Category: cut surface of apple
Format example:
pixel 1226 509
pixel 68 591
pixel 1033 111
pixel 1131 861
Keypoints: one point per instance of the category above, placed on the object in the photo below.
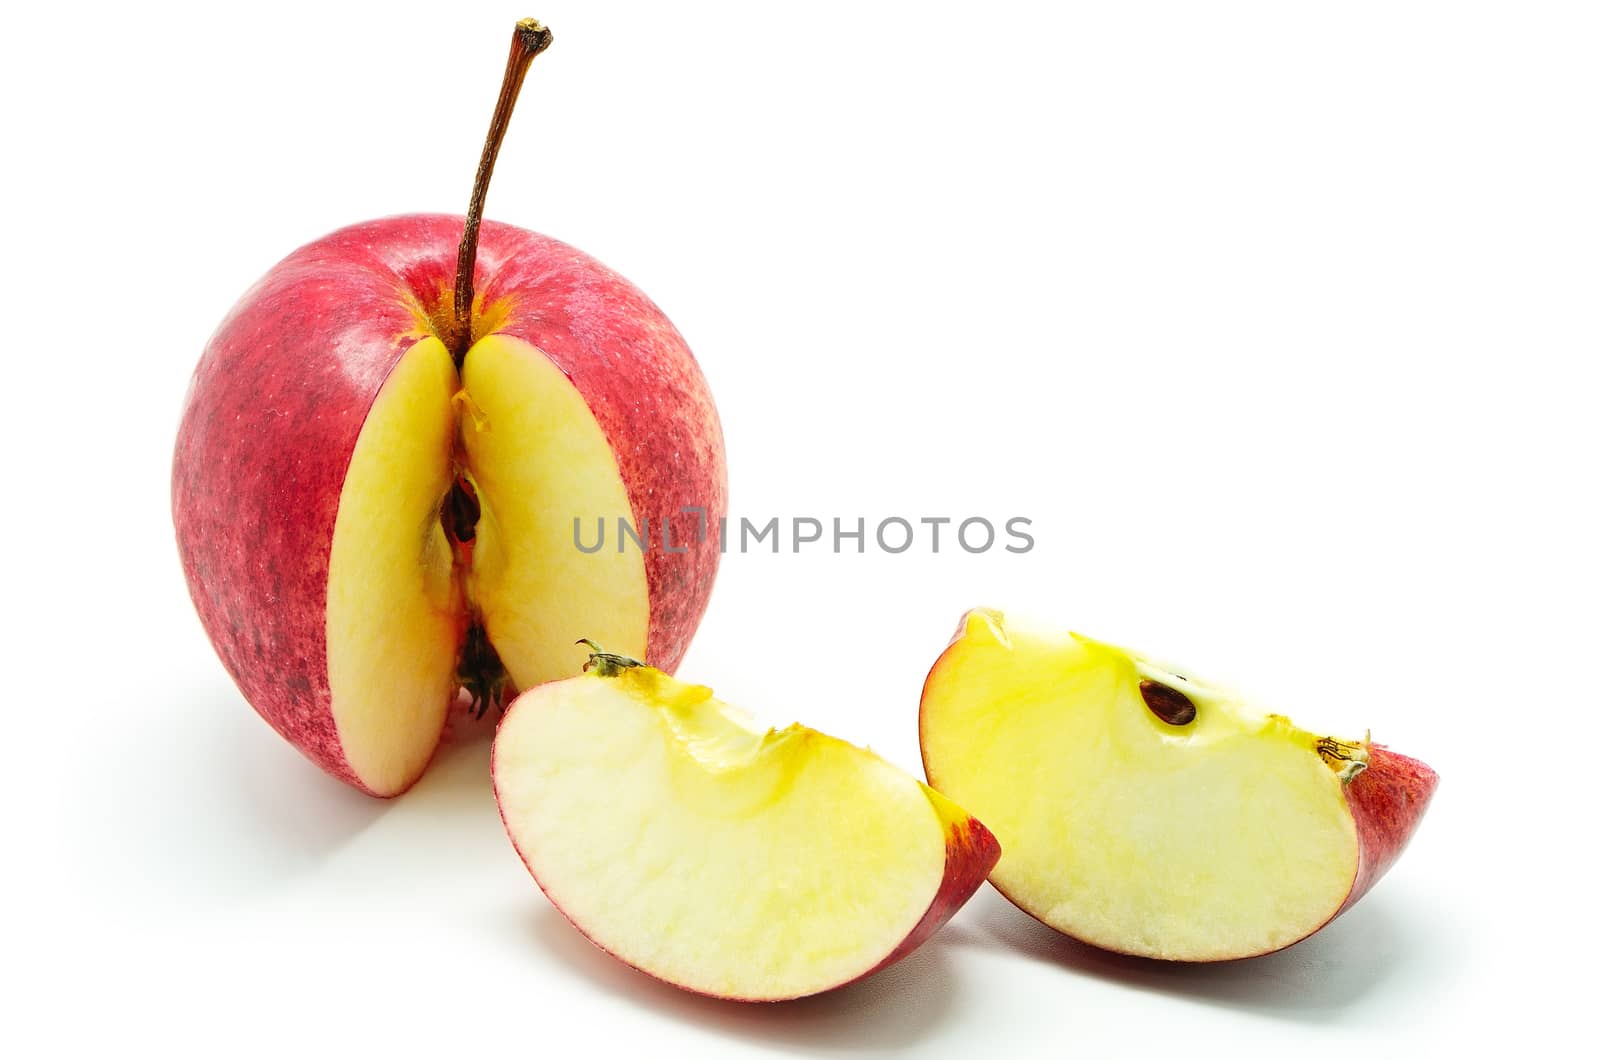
pixel 723 858
pixel 517 430
pixel 529 438
pixel 1146 812
pixel 390 557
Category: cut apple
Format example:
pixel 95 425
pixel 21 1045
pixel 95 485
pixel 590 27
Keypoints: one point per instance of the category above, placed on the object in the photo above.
pixel 383 455
pixel 723 858
pixel 1146 812
pixel 365 537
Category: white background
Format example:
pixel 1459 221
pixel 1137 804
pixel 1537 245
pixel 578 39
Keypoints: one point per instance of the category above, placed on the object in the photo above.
pixel 1278 320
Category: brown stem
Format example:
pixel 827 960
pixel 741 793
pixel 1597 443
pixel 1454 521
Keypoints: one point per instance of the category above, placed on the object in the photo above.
pixel 529 40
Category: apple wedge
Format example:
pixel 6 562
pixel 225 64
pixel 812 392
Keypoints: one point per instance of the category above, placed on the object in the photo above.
pixel 749 864
pixel 1146 812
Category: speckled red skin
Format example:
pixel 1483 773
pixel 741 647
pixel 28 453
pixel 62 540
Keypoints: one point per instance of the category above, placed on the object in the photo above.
pixel 284 386
pixel 1386 800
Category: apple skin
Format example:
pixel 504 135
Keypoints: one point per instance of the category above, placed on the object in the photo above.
pixel 286 382
pixel 1386 800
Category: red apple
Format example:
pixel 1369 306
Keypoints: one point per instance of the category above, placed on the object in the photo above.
pixel 374 491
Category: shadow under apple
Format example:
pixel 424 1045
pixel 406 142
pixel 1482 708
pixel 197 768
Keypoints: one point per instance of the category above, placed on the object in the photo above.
pixel 210 802
pixel 218 806
pixel 1317 980
pixel 896 1008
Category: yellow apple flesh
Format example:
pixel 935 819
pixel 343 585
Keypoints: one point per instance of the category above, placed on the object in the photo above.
pixel 527 438
pixel 723 858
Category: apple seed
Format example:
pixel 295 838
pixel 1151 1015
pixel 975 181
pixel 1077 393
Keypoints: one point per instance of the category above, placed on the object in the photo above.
pixel 461 512
pixel 1167 703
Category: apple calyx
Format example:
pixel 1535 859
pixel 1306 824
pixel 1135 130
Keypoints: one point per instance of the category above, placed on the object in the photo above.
pixel 481 673
pixel 604 663
pixel 1347 758
pixel 528 39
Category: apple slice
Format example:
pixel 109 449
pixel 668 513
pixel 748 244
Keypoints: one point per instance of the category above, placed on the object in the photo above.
pixel 742 863
pixel 1145 812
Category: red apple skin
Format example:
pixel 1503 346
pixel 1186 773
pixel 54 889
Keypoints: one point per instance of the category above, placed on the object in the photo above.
pixel 285 384
pixel 1387 800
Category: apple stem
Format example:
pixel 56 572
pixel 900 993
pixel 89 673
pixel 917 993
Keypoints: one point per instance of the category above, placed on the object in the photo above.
pixel 530 38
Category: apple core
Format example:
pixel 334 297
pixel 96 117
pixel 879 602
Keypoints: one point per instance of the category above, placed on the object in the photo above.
pixel 422 598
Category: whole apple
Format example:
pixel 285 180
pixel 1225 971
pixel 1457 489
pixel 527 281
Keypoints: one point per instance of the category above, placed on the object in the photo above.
pixel 382 456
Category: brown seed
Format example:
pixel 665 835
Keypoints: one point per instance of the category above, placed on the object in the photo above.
pixel 461 512
pixel 1167 703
